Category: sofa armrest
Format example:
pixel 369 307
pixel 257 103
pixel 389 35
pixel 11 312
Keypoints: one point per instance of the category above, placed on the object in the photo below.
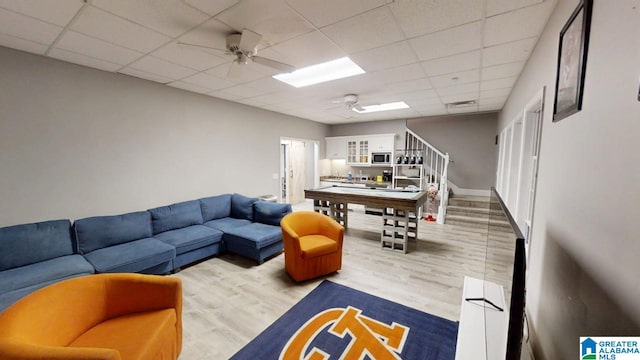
pixel 270 213
pixel 333 230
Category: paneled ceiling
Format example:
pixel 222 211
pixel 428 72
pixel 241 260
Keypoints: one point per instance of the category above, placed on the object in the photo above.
pixel 427 53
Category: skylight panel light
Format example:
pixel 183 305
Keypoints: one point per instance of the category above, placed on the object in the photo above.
pixel 382 107
pixel 315 74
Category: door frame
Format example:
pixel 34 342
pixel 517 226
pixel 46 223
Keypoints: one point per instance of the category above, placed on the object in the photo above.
pixel 310 168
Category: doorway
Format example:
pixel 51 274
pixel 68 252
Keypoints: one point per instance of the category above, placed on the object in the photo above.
pixel 298 169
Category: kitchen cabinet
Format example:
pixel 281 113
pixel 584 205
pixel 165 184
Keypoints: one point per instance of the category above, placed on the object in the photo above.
pixel 336 147
pixel 382 143
pixel 358 152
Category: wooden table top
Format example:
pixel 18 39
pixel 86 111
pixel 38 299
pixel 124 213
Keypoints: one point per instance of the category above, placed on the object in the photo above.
pixel 380 198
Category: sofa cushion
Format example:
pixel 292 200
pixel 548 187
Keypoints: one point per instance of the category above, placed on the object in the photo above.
pixel 242 207
pixel 44 271
pixel 143 335
pixel 134 256
pixel 176 216
pixel 31 243
pixel 255 235
pixel 270 213
pixel 226 224
pixel 103 231
pixel 215 207
pixel 190 238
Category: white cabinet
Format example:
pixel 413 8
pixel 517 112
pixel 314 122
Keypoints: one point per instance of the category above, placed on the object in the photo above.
pixel 336 147
pixel 382 143
pixel 358 152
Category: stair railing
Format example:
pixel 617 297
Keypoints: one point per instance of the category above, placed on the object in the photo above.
pixel 436 164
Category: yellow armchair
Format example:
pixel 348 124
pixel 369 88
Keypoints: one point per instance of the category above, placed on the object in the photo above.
pixel 105 316
pixel 312 244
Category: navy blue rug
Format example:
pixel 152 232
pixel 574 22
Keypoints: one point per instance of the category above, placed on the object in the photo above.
pixel 336 322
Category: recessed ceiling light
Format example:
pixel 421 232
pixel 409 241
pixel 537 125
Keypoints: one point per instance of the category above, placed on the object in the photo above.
pixel 315 74
pixel 382 107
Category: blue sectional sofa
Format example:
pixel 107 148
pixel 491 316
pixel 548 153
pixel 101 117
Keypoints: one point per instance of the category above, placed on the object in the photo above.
pixel 155 241
pixel 35 255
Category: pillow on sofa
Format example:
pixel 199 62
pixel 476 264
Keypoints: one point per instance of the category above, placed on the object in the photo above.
pixel 216 207
pixel 103 231
pixel 31 243
pixel 242 207
pixel 270 213
pixel 176 216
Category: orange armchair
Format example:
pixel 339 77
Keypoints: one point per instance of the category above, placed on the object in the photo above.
pixel 105 316
pixel 312 244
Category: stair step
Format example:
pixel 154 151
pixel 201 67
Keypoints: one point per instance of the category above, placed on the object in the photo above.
pixel 476 222
pixel 478 212
pixel 470 201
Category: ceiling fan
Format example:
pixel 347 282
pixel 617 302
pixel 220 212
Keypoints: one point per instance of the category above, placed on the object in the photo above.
pixel 350 101
pixel 243 47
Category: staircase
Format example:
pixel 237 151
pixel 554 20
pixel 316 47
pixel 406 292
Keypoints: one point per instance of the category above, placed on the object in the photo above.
pixel 474 212
pixel 436 165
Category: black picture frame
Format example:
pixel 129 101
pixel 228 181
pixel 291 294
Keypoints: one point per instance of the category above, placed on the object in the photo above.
pixel 572 62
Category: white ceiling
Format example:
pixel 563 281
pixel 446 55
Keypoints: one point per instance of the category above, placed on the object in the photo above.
pixel 425 52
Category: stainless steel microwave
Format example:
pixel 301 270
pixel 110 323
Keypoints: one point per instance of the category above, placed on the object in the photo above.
pixel 381 158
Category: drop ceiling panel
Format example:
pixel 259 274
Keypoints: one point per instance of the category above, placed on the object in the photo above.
pixel 189 87
pixel 221 94
pixel 189 57
pixel 400 73
pixel 501 71
pixel 273 19
pixel 509 52
pixel 385 57
pixel 22 44
pixel 305 50
pixel 501 6
pixel 144 75
pixel 162 67
pixel 172 18
pixel 452 41
pixel 459 97
pixel 243 91
pixel 367 31
pixel 211 7
pixel 27 28
pixel 316 11
pixel 458 89
pixel 485 94
pixel 84 60
pixel 523 23
pixel 208 81
pixel 58 12
pixel 451 64
pixel 82 44
pixel 245 74
pixel 498 83
pixel 458 78
pixel 419 17
pixel 409 85
pixel 102 25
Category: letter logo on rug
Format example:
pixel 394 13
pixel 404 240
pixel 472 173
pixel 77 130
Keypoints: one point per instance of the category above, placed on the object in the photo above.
pixel 369 337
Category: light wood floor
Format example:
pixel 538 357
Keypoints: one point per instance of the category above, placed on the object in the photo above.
pixel 228 300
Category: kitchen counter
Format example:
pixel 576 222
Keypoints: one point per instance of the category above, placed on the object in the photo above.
pixel 366 183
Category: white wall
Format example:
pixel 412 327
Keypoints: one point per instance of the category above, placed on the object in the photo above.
pixel 470 142
pixel 77 142
pixel 583 268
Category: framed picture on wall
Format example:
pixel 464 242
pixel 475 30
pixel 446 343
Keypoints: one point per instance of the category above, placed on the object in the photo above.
pixel 572 62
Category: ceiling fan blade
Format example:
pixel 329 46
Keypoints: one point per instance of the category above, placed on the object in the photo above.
pixel 273 64
pixel 357 107
pixel 249 40
pixel 208 49
pixel 235 70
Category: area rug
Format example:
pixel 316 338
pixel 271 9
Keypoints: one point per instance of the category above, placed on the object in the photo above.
pixel 337 322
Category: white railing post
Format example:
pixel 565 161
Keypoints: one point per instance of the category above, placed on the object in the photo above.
pixel 444 192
